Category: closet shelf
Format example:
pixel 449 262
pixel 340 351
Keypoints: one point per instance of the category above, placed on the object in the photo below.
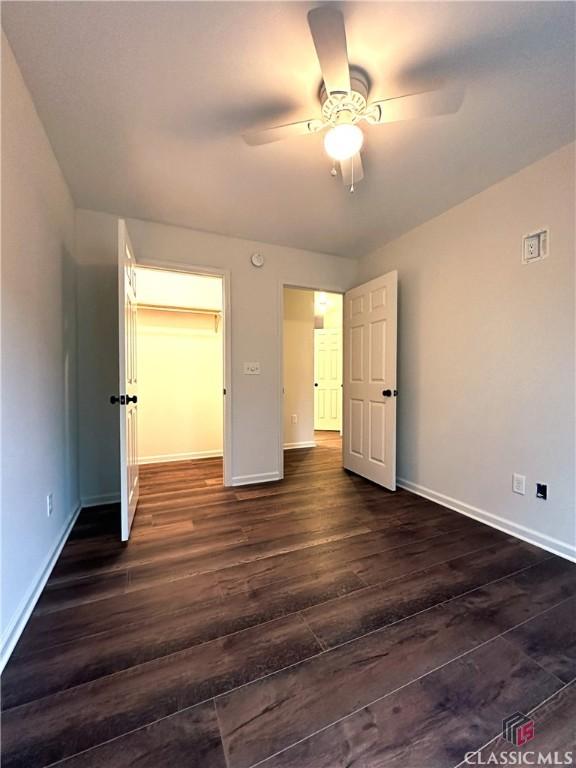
pixel 217 313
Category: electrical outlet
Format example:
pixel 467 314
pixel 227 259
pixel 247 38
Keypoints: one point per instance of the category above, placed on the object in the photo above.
pixel 294 418
pixel 519 483
pixel 531 248
pixel 541 491
pixel 535 246
pixel 49 505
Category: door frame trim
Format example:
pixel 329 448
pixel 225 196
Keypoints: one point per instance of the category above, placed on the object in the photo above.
pixel 280 334
pixel 224 274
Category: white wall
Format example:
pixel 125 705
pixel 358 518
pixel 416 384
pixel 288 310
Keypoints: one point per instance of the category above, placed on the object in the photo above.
pixel 255 325
pixel 161 287
pixel 486 353
pixel 180 368
pixel 97 285
pixel 298 367
pixel 39 435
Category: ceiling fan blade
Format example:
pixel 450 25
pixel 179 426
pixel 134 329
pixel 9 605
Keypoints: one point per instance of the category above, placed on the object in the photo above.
pixel 352 170
pixel 440 102
pixel 279 132
pixel 329 35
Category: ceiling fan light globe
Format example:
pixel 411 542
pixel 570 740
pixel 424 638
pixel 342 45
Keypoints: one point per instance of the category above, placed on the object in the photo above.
pixel 343 141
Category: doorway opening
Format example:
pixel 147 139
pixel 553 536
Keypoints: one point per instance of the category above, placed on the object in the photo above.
pixel 180 347
pixel 312 368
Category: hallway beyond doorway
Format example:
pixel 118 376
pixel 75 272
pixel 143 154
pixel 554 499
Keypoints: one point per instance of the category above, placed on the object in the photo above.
pixel 328 439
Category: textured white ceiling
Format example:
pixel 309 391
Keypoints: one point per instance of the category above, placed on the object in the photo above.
pixel 144 103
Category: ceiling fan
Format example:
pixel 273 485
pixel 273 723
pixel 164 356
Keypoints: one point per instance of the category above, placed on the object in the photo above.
pixel 344 101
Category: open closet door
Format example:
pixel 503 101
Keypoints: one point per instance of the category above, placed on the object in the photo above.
pixel 370 327
pixel 128 392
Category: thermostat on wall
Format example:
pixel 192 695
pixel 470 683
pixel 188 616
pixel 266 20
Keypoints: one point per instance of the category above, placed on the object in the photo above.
pixel 535 246
pixel 257 259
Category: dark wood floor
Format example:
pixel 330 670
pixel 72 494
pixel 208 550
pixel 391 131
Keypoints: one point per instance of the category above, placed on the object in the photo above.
pixel 319 622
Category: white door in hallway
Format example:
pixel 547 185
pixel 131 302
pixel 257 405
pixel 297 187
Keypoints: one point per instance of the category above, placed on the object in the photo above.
pixel 328 379
pixel 369 429
pixel 128 384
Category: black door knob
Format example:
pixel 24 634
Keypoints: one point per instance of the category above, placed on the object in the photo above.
pixel 387 393
pixel 131 399
pixel 115 399
pixel 315 384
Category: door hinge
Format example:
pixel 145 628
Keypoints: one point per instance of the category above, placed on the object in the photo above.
pixel 224 391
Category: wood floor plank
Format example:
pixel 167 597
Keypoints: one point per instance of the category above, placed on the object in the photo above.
pixel 91 558
pixel 340 620
pixel 73 663
pixel 80 718
pixel 108 561
pixel 386 559
pixel 190 739
pixel 208 554
pixel 432 722
pixel 279 711
pixel 59 595
pixel 380 567
pixel 147 574
pixel 550 639
pixel 107 614
pixel 523 596
pixel 331 555
pixel 293 703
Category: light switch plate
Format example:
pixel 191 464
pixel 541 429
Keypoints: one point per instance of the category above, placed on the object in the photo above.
pixel 519 484
pixel 252 369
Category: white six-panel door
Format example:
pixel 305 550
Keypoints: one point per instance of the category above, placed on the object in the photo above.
pixel 128 384
pixel 370 326
pixel 328 378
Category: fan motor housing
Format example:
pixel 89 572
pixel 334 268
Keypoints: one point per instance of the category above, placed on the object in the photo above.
pixel 347 107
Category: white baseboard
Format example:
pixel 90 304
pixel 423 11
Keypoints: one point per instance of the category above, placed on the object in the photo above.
pixel 161 458
pixel 264 477
pixel 97 501
pixel 22 614
pixel 303 444
pixel 550 544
